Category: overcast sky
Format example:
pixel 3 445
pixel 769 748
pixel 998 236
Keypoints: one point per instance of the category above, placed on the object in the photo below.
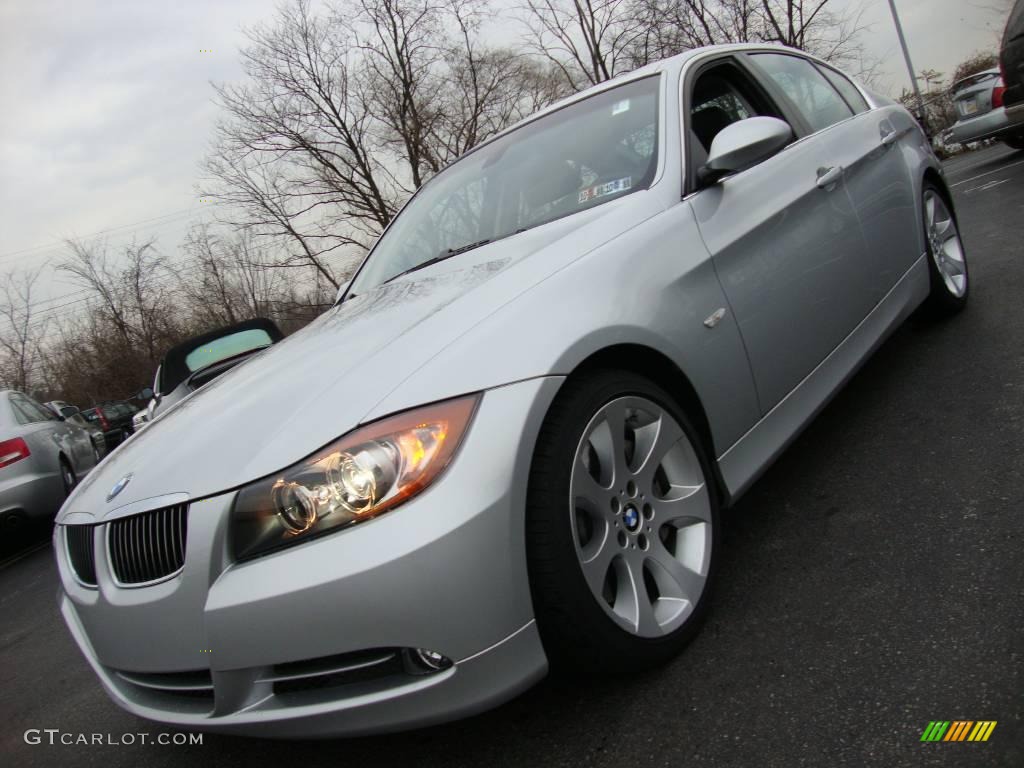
pixel 107 107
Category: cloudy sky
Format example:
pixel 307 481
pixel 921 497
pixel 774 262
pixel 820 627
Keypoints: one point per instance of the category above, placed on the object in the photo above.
pixel 108 109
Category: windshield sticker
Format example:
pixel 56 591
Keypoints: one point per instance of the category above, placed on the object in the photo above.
pixel 620 106
pixel 610 188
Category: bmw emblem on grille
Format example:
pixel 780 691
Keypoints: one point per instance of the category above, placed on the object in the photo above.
pixel 119 486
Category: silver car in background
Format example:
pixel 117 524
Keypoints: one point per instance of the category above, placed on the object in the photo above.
pixel 73 414
pixel 42 456
pixel 508 444
pixel 981 113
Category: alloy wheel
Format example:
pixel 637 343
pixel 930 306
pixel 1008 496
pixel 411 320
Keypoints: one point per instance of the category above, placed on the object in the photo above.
pixel 946 247
pixel 641 516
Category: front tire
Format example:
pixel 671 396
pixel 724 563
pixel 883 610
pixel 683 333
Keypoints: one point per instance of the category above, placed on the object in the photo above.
pixel 622 525
pixel 67 476
pixel 947 261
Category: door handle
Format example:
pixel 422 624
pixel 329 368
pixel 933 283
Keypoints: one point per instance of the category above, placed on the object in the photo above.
pixel 829 176
pixel 890 138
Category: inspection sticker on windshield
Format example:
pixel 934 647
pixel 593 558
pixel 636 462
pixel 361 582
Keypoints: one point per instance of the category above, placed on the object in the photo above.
pixel 620 106
pixel 609 188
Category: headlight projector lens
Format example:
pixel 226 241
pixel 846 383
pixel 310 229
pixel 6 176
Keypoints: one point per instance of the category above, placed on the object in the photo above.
pixel 295 506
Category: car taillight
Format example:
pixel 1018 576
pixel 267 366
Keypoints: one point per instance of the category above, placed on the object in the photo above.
pixel 104 424
pixel 13 450
pixel 997 96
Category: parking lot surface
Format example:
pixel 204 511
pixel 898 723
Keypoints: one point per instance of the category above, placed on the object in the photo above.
pixel 872 581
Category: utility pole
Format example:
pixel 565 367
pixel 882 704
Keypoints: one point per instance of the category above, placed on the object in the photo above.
pixel 910 65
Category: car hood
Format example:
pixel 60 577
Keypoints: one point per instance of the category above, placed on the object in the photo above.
pixel 286 402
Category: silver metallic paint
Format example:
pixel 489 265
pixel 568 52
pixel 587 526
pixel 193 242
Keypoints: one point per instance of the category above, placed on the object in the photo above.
pixel 447 570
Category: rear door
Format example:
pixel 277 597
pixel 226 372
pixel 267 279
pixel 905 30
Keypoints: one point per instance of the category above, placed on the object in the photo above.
pixel 879 181
pixel 785 237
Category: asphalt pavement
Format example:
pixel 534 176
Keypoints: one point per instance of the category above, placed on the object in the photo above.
pixel 871 582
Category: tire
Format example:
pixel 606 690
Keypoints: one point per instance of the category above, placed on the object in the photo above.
pixel 67 476
pixel 589 629
pixel 1014 142
pixel 947 259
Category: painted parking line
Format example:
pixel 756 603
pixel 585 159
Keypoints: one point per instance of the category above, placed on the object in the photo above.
pixel 988 173
pixel 23 554
pixel 985 187
pixel 953 170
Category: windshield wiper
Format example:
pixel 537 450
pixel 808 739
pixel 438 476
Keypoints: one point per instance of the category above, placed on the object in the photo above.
pixel 446 254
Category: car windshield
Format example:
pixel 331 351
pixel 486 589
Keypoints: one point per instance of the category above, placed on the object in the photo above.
pixel 227 346
pixel 575 158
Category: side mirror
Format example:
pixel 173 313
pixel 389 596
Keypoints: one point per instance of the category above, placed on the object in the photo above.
pixel 146 393
pixel 743 144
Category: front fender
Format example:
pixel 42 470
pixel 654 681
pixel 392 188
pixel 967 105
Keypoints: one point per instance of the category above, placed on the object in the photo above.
pixel 653 286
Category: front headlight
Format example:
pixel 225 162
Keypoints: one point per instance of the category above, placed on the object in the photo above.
pixel 369 471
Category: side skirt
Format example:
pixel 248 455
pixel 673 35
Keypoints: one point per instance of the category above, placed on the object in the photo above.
pixel 753 453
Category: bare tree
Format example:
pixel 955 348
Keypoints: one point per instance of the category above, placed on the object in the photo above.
pixel 590 42
pixel 23 331
pixel 131 292
pixel 587 41
pixel 227 278
pixel 345 113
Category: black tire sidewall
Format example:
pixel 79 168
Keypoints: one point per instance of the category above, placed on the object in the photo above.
pixel 940 300
pixel 576 631
pixel 67 474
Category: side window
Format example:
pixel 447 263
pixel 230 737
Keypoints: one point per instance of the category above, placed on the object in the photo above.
pixel 846 89
pixel 40 412
pixel 816 99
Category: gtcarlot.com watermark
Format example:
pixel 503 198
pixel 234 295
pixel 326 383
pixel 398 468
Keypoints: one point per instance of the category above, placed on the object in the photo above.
pixel 54 736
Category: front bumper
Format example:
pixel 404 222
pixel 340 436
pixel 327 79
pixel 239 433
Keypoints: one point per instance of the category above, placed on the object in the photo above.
pixel 992 124
pixel 444 572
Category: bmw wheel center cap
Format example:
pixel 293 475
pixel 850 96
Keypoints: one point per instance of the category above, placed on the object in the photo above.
pixel 631 518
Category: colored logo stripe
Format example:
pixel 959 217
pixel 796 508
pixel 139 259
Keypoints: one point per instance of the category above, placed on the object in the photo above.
pixel 982 730
pixel 935 730
pixel 958 730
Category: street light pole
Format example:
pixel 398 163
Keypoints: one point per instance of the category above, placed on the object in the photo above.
pixel 910 65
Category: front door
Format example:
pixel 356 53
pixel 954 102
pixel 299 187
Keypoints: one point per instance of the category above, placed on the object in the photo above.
pixel 785 237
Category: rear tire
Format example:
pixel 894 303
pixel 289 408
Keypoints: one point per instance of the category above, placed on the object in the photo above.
pixel 622 526
pixel 947 259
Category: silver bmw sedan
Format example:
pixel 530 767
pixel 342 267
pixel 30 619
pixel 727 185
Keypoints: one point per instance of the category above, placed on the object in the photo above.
pixel 508 444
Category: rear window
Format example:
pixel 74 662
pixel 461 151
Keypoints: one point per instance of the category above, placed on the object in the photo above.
pixel 91 415
pixel 969 82
pixel 227 346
